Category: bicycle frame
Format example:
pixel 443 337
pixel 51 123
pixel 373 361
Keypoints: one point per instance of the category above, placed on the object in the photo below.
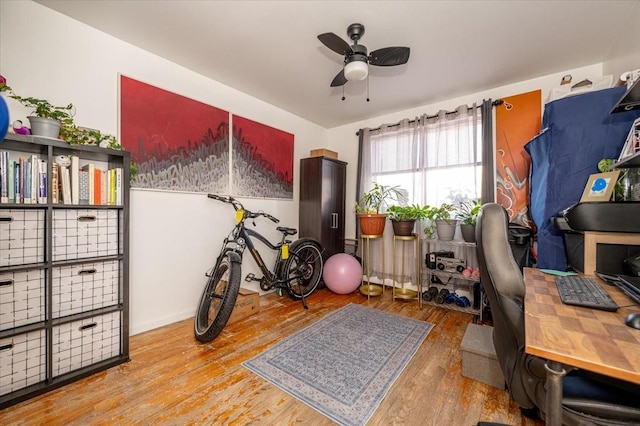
pixel 240 238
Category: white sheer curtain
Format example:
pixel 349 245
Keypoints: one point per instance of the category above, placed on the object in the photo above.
pixel 437 159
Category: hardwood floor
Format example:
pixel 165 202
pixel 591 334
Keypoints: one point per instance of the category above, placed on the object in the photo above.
pixel 173 380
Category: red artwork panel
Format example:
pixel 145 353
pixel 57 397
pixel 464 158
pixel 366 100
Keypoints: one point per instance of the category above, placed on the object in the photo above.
pixel 176 143
pixel 262 160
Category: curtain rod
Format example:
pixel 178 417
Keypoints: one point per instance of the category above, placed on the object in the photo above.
pixel 494 103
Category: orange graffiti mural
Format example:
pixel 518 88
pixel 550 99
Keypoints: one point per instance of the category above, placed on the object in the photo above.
pixel 517 121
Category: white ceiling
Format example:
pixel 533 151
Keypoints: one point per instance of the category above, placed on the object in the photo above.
pixel 270 49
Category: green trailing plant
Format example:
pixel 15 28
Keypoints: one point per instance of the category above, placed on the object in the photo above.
pixel 85 136
pixel 379 197
pixel 411 212
pixel 467 212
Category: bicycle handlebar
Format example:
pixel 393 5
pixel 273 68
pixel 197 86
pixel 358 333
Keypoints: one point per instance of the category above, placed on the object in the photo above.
pixel 237 205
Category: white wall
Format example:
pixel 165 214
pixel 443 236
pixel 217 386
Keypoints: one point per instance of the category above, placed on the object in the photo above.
pixel 174 236
pixel 344 140
pixel 625 56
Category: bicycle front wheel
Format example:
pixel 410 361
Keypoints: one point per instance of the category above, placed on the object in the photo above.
pixel 303 268
pixel 217 300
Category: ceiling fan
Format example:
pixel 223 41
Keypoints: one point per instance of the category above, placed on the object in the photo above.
pixel 356 61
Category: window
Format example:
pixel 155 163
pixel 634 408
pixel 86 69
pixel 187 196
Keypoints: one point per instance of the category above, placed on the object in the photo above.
pixel 436 159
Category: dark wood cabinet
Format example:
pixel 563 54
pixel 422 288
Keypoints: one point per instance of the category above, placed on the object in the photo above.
pixel 322 202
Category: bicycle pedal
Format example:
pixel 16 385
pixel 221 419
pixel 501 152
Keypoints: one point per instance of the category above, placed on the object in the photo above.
pixel 251 277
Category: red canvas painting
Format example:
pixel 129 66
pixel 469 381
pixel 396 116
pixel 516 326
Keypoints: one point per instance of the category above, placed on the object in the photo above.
pixel 176 143
pixel 262 160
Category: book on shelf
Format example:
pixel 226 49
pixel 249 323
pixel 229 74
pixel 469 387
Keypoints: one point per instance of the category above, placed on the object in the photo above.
pixel 118 186
pixel 97 190
pixel 4 177
pixel 11 182
pixel 74 170
pixel 26 180
pixel 26 185
pixel 83 185
pixel 104 187
pixel 89 169
pixel 35 172
pixel 112 187
pixel 16 180
pixel 54 183
pixel 21 179
pixel 42 182
pixel 65 185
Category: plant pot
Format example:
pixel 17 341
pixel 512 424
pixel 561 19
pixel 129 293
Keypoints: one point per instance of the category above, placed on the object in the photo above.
pixel 446 229
pixel 468 233
pixel 403 228
pixel 46 127
pixel 372 224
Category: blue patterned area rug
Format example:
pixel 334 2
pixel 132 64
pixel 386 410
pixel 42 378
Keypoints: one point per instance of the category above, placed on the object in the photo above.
pixel 344 364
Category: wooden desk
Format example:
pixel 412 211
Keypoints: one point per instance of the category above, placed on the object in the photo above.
pixel 592 239
pixel 580 337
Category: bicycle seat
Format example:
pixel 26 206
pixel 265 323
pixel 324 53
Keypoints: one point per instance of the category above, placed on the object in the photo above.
pixel 287 231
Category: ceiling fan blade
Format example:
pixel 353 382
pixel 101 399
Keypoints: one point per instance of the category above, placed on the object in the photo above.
pixel 335 43
pixel 339 79
pixel 389 56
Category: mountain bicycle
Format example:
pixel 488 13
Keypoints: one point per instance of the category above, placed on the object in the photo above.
pixel 297 270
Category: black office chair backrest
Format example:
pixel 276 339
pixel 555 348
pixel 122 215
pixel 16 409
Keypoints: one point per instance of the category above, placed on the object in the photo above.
pixel 503 283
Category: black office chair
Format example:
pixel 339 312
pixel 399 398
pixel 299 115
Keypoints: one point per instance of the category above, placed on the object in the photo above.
pixel 588 398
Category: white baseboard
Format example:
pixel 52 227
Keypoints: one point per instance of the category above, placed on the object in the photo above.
pixel 159 322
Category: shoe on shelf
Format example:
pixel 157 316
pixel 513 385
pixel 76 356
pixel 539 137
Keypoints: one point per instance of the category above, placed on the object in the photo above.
pixel 451 298
pixel 463 302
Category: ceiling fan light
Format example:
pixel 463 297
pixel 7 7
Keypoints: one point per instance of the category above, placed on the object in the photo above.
pixel 356 70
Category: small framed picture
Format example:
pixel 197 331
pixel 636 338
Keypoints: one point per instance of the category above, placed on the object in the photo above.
pixel 600 186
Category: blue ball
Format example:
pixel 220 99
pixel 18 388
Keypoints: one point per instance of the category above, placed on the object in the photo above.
pixel 4 118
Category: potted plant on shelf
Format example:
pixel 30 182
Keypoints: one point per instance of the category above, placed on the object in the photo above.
pixel 368 210
pixel 403 218
pixel 467 213
pixel 47 119
pixel 442 222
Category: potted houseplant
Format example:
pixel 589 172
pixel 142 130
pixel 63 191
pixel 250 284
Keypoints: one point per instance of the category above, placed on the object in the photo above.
pixel 442 222
pixel 467 213
pixel 403 218
pixel 369 209
pixel 46 119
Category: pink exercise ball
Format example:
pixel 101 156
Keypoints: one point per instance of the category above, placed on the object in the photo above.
pixel 342 273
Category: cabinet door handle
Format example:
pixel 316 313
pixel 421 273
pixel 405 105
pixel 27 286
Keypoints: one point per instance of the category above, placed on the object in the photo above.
pixel 334 220
pixel 88 326
pixel 6 347
pixel 6 219
pixel 86 218
pixel 87 271
pixel 6 283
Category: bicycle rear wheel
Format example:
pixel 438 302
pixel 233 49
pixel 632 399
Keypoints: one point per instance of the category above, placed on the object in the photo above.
pixel 303 268
pixel 217 300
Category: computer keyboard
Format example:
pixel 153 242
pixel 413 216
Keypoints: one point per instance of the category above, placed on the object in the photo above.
pixel 584 291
